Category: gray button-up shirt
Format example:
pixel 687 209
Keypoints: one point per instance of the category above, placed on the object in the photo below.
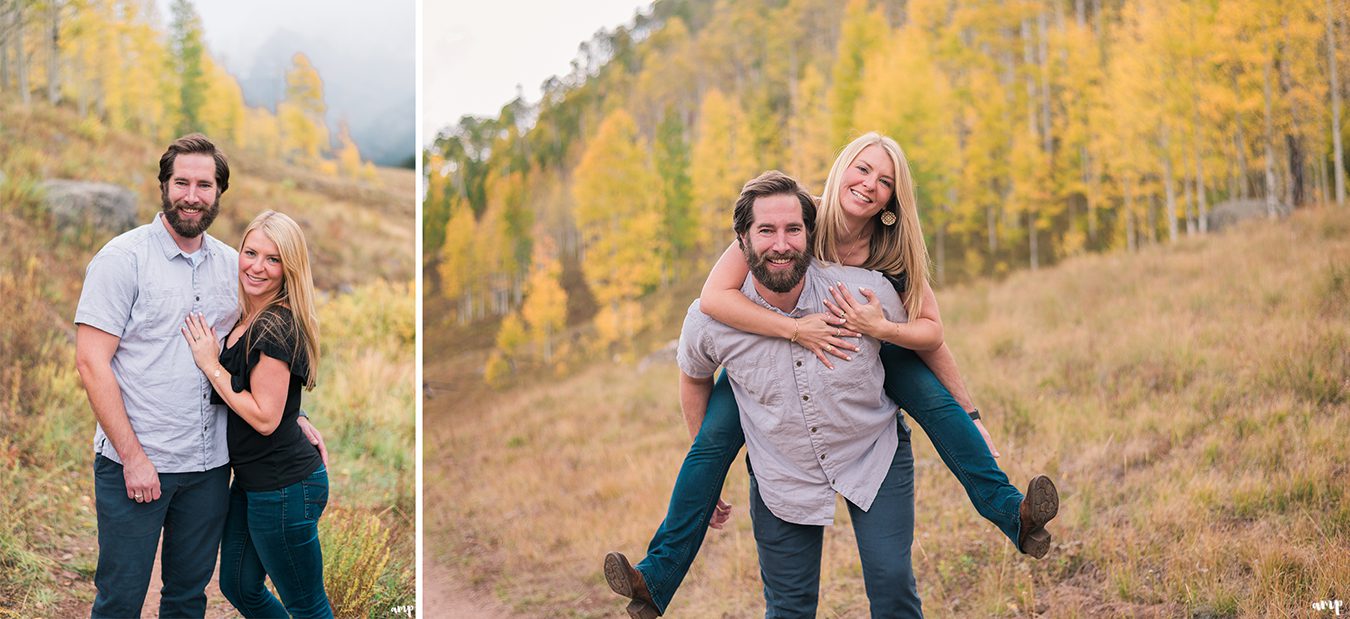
pixel 810 431
pixel 140 287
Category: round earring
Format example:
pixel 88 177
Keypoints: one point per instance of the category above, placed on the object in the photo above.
pixel 888 218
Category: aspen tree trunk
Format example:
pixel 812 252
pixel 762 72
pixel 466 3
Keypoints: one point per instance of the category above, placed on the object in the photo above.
pixel 1188 198
pixel 1270 145
pixel 54 53
pixel 1168 181
pixel 1240 141
pixel 1296 188
pixel 1201 198
pixel 1028 60
pixel 20 61
pixel 1131 235
pixel 4 43
pixel 1338 153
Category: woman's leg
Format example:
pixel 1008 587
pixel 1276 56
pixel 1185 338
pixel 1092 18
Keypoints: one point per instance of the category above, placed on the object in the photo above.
pixel 917 390
pixel 284 525
pixel 241 572
pixel 696 492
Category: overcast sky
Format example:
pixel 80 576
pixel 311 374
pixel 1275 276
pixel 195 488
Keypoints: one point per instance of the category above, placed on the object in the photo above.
pixel 477 51
pixel 236 28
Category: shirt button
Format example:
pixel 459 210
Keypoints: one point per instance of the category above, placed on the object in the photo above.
pixel 199 297
pixel 822 456
pixel 806 398
pixel 813 430
pixel 799 364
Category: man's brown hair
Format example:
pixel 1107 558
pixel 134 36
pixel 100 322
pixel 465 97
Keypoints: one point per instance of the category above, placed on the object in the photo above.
pixel 771 183
pixel 195 144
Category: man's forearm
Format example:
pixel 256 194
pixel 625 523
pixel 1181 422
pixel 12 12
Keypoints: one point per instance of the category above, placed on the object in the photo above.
pixel 943 365
pixel 694 394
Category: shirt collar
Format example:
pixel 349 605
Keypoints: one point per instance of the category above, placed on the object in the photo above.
pixel 171 249
pixel 804 305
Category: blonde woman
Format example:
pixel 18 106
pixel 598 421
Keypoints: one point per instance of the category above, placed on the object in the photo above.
pixel 867 218
pixel 280 484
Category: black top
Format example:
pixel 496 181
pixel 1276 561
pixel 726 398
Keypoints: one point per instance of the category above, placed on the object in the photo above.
pixel 899 282
pixel 286 457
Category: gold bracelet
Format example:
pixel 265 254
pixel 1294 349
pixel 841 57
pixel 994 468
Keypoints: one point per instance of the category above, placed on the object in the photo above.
pixel 796 330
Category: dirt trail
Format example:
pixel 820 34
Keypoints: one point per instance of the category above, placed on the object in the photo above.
pixel 216 606
pixel 443 595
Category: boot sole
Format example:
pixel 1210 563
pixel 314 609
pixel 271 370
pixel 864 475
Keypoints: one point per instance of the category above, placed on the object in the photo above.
pixel 637 609
pixel 616 574
pixel 1043 500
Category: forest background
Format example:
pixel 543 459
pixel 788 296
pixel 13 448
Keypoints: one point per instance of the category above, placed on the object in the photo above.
pixel 1073 159
pixel 92 90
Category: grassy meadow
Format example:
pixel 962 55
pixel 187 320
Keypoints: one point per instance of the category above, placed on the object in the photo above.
pixel 1191 403
pixel 361 239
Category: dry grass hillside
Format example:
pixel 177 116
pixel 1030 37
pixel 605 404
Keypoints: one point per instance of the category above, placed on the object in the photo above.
pixel 1191 403
pixel 361 235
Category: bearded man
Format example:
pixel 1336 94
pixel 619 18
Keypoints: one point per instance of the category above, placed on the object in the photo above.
pixel 161 463
pixel 811 432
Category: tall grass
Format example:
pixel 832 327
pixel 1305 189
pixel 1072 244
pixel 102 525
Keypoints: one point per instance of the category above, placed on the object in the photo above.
pixel 1191 403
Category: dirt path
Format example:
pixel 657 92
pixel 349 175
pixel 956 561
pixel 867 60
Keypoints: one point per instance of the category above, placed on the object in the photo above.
pixel 444 595
pixel 216 606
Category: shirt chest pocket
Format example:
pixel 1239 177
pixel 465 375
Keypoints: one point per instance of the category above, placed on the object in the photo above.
pixel 160 310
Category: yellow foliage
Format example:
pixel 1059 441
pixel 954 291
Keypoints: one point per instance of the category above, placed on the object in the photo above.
pixel 720 163
pixel 617 209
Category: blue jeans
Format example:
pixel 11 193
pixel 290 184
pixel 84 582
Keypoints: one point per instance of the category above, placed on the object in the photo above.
pixel 789 554
pixel 909 382
pixel 276 533
pixel 190 512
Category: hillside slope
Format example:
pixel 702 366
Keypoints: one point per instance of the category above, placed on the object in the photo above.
pixel 1191 403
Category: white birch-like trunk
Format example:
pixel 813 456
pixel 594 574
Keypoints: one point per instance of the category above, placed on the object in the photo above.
pixel 1338 152
pixel 1270 144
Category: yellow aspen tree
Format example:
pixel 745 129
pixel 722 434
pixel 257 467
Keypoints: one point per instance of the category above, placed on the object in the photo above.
pixel 545 307
pixel 301 113
pixel 720 163
pixel 861 34
pixel 811 150
pixel 349 156
pixel 223 110
pixel 618 214
pixel 457 268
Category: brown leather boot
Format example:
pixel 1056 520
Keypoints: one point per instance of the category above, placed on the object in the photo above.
pixel 625 580
pixel 1039 506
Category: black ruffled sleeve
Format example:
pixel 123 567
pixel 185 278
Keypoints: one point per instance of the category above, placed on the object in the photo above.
pixel 275 334
pixel 899 282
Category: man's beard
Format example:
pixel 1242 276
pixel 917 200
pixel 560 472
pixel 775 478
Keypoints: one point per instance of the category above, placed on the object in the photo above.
pixel 185 228
pixel 776 280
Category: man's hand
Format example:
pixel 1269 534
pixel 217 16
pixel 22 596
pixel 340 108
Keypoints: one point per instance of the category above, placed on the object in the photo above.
pixel 142 480
pixel 721 514
pixel 314 437
pixel 987 441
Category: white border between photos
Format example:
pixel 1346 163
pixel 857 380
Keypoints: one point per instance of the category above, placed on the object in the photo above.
pixel 418 194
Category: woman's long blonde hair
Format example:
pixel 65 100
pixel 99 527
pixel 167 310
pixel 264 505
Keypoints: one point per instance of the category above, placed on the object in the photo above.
pixel 296 291
pixel 894 250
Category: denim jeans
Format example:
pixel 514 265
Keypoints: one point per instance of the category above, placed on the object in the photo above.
pixel 958 442
pixel 909 382
pixel 275 533
pixel 190 512
pixel 789 554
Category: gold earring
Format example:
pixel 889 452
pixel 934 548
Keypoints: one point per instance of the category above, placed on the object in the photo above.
pixel 888 218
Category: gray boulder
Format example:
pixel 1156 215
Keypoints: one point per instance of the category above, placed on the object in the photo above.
pixel 102 206
pixel 1226 214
